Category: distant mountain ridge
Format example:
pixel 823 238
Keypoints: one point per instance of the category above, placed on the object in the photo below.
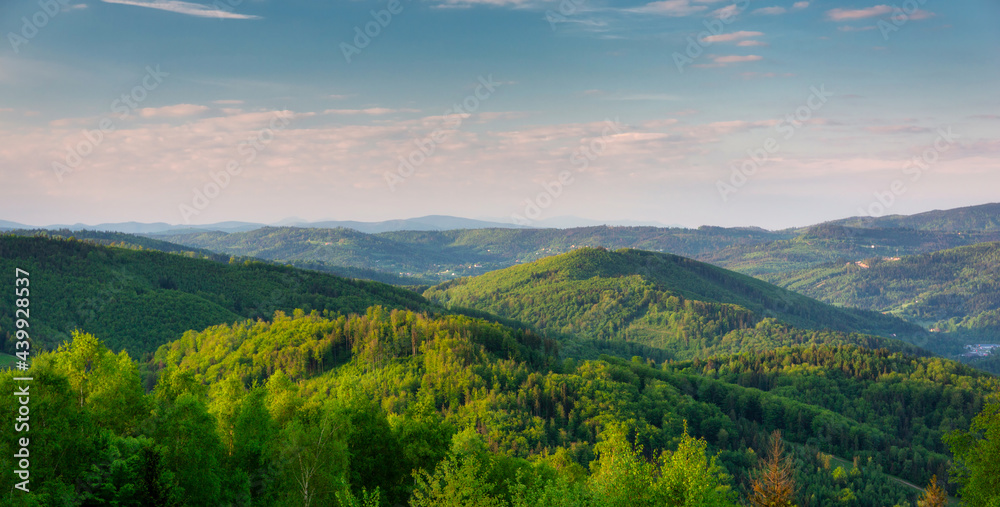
pixel 442 255
pixel 981 218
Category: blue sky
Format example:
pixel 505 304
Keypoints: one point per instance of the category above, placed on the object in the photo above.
pixel 584 110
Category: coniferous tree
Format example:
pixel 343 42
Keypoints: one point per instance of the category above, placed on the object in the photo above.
pixel 774 485
pixel 934 495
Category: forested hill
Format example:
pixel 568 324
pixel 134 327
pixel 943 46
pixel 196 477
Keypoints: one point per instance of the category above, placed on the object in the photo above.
pixel 393 407
pixel 445 255
pixel 662 300
pixel 982 218
pixel 956 291
pixel 442 255
pixel 140 299
pixel 827 243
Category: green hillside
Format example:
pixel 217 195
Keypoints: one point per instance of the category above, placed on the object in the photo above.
pixel 829 243
pixel 392 407
pixel 985 217
pixel 678 304
pixel 444 255
pixel 956 291
pixel 139 299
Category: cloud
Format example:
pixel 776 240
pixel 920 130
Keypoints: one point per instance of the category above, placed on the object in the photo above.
pixel 736 59
pixel 646 96
pixel 917 15
pixel 749 43
pixel 800 5
pixel 176 111
pixel 674 8
pixel 856 28
pixel 179 7
pixel 897 129
pixel 228 102
pixel 494 3
pixel 726 12
pixel 729 37
pixel 852 14
pixel 771 11
pixel 372 111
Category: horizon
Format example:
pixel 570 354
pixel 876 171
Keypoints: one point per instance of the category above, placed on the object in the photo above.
pixel 687 112
pixel 301 223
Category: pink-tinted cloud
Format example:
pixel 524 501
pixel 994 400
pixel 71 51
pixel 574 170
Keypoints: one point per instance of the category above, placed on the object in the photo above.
pixel 673 8
pixel 371 111
pixel 737 59
pixel 853 14
pixel 175 111
pixel 729 37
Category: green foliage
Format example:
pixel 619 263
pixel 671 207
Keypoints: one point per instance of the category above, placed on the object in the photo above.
pixel 442 255
pixel 391 407
pixel 137 300
pixel 682 306
pixel 977 457
pixel 956 292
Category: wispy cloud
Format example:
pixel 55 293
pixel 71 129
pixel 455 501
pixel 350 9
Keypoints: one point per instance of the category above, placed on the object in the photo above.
pixel 729 37
pixel 897 129
pixel 736 59
pixel 920 14
pixel 856 28
pixel 371 111
pixel 175 111
pixel 674 8
pixel 852 14
pixel 179 7
pixel 772 11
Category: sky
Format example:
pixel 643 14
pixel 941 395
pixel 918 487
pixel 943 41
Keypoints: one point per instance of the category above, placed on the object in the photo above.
pixel 770 113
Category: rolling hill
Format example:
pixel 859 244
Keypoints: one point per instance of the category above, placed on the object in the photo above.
pixel 139 299
pixel 981 218
pixel 443 255
pixel 954 291
pixel 681 305
pixel 396 406
pixel 836 243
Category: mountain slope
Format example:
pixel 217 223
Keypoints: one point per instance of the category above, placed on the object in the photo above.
pixel 982 218
pixel 836 243
pixel 662 300
pixel 956 291
pixel 442 255
pixel 140 299
pixel 253 403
